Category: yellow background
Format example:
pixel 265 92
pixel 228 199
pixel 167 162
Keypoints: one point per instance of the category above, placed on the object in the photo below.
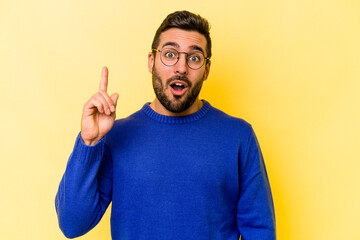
pixel 290 68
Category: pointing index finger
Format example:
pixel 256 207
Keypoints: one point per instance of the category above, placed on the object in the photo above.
pixel 104 79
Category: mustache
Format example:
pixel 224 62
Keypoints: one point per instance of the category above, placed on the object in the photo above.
pixel 181 78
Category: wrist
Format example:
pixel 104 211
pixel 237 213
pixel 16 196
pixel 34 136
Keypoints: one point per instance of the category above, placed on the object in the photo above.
pixel 89 142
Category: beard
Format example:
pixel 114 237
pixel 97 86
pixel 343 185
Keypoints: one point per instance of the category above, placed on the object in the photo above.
pixel 179 103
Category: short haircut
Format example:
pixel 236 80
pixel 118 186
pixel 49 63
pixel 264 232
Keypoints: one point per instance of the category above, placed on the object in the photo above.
pixel 188 21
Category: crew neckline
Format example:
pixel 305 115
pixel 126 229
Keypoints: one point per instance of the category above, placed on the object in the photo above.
pixel 176 120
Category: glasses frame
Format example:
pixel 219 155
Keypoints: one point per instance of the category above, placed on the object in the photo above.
pixel 187 62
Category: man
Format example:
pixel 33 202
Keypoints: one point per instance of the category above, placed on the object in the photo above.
pixel 176 169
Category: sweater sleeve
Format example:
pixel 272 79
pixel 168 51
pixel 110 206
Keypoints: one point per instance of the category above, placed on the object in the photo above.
pixel 85 190
pixel 255 208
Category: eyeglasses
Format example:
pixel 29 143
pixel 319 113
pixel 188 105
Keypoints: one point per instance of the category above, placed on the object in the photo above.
pixel 170 56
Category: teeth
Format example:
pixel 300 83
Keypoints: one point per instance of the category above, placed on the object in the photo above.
pixel 179 84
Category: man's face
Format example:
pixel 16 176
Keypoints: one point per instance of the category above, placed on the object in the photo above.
pixel 177 87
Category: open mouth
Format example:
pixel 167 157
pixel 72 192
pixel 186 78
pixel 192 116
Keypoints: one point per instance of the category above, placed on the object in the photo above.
pixel 178 88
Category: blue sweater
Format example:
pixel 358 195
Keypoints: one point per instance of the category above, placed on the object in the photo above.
pixel 200 176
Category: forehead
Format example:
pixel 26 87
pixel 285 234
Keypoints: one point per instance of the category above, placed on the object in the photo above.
pixel 182 40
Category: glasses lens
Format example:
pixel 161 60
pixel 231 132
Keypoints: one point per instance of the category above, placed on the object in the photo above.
pixel 169 56
pixel 195 60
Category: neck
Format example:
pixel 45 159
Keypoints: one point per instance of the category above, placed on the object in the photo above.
pixel 160 109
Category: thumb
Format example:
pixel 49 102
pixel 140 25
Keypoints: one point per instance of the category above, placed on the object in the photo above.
pixel 114 97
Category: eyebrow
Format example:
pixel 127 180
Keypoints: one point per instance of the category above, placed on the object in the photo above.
pixel 195 47
pixel 174 44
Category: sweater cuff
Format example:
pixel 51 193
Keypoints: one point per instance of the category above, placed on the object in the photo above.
pixel 88 154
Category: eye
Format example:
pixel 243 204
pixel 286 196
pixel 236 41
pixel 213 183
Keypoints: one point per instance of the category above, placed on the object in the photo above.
pixel 194 57
pixel 169 54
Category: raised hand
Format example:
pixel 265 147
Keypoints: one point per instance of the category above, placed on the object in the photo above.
pixel 98 113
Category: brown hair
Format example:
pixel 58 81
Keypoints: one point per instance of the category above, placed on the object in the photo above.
pixel 186 21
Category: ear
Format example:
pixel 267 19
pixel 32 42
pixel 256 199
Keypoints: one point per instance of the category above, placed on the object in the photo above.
pixel 207 69
pixel 150 62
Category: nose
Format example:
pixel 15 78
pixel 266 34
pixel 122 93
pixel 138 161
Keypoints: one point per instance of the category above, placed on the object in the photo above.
pixel 181 66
